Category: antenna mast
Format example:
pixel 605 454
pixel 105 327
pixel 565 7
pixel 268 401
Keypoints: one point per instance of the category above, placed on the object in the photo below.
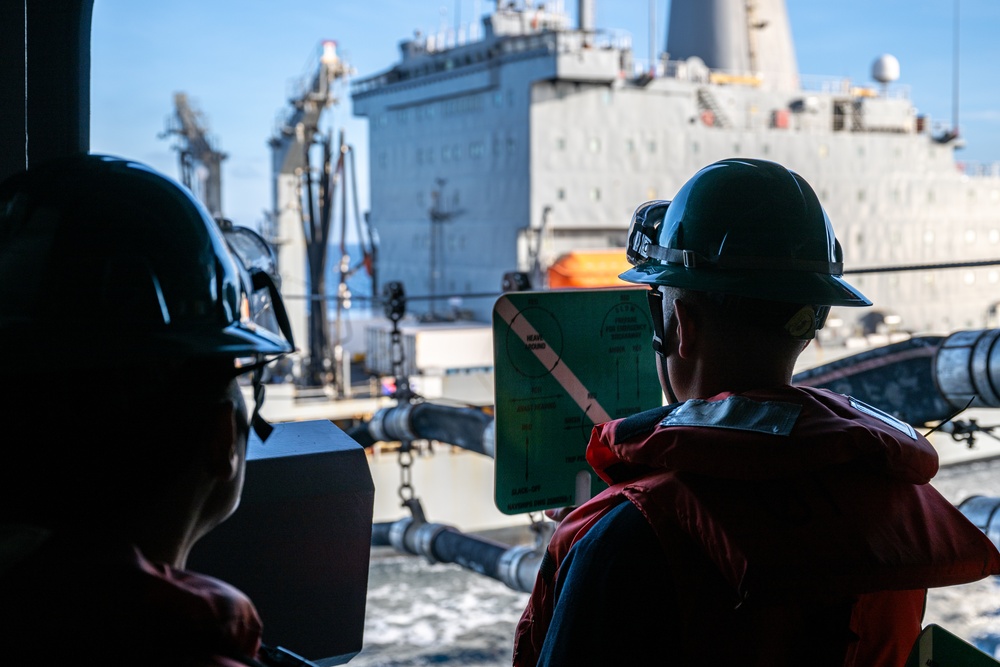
pixel 954 94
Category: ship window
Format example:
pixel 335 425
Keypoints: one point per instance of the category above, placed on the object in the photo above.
pixel 861 151
pixel 594 144
pixel 969 278
pixel 970 236
pixel 861 195
pixel 511 145
pixel 560 143
pixel 476 149
pixel 629 145
pixel 456 152
pixel 498 99
pixel 595 194
pixel 651 146
pixel 930 196
pixel 993 277
pixel 510 98
pixel 766 149
pixel 445 153
pixel 382 160
pixel 736 149
pixel 994 235
pixel 929 237
pixel 694 146
pixel 560 194
pixel 823 150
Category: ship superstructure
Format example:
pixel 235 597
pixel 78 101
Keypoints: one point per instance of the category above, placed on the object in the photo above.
pixel 536 138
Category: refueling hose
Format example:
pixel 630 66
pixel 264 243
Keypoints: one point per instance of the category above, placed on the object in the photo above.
pixel 515 566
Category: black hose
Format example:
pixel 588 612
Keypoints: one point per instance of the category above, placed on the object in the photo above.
pixel 380 534
pixel 471 552
pixel 515 566
pixel 361 435
pixel 462 427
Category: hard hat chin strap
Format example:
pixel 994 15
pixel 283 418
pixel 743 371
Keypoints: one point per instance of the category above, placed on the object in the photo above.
pixel 260 425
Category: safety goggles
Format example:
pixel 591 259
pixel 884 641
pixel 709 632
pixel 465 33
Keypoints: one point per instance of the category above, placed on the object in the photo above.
pixel 644 230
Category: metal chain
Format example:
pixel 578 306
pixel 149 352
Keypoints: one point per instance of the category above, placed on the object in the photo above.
pixel 405 472
pixel 395 308
pixel 397 354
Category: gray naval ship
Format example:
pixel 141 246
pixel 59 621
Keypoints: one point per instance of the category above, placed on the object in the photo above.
pixel 511 146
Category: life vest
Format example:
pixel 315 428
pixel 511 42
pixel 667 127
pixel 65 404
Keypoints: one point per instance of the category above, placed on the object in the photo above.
pixel 800 499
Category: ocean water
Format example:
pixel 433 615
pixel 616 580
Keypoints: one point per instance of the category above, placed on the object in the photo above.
pixel 420 614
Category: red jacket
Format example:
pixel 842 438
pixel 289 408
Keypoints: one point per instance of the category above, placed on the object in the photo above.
pixel 801 499
pixel 87 597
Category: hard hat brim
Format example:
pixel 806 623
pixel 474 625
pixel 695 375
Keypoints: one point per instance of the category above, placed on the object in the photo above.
pixel 817 289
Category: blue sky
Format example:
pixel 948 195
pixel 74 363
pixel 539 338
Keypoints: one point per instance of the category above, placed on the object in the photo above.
pixel 236 61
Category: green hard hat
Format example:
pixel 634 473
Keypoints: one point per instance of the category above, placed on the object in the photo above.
pixel 746 227
pixel 104 260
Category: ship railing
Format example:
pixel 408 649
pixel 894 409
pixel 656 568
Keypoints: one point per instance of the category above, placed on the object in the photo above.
pixel 564 41
pixel 685 70
pixel 839 85
pixel 979 169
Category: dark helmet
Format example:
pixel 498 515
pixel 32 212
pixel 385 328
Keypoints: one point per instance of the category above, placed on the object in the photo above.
pixel 745 227
pixel 106 261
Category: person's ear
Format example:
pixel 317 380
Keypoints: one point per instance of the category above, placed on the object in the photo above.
pixel 223 446
pixel 684 326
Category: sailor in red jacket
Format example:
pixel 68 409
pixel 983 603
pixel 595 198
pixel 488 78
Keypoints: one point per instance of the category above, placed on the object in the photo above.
pixel 748 521
pixel 128 322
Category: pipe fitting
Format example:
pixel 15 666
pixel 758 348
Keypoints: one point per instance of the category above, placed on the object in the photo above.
pixel 398 534
pixel 518 567
pixel 490 439
pixel 391 424
pixel 424 537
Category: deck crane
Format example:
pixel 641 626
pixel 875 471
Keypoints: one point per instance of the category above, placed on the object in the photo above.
pixel 304 190
pixel 200 160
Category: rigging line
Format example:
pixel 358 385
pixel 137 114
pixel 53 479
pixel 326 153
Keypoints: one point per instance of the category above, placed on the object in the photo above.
pixel 332 297
pixel 925 267
pixel 950 417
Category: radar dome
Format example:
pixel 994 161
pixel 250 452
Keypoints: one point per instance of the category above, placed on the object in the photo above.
pixel 885 69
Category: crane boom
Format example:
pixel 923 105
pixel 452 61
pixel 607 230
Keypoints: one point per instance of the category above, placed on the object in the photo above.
pixel 200 161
